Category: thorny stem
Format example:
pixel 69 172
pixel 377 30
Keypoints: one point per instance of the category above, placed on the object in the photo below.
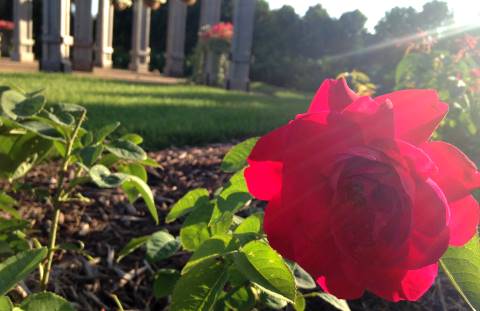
pixel 57 202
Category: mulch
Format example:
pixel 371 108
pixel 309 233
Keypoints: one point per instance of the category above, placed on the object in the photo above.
pixel 109 222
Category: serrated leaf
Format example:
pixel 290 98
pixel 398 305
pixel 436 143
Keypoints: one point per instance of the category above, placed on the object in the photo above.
pixel 191 200
pixel 198 289
pixel 274 302
pixel 131 246
pixel 90 154
pixel 134 169
pixel 164 283
pixel 242 299
pixel 16 105
pixel 145 193
pixel 236 158
pixel 462 266
pixel 106 130
pixel 195 228
pixel 127 150
pixel 234 195
pixel 14 269
pixel 161 245
pixel 42 129
pixel 249 229
pixel 103 178
pixel 7 204
pixel 265 267
pixel 302 278
pixel 46 301
pixel 58 114
pixel 214 247
pixel 335 302
pixel 134 138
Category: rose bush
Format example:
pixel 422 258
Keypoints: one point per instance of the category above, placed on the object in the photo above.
pixel 360 197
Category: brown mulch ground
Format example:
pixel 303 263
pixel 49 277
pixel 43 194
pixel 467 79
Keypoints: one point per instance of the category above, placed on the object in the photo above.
pixel 107 224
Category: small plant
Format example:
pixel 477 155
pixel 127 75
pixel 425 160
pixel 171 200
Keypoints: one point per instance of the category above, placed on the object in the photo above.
pixel 232 266
pixel 31 132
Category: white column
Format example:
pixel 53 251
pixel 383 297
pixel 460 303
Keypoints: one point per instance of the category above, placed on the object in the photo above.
pixel 177 22
pixel 83 32
pixel 210 13
pixel 140 53
pixel 104 39
pixel 23 32
pixel 243 22
pixel 56 39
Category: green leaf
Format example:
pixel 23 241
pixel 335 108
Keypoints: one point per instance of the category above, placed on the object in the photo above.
pixel 16 105
pixel 462 266
pixel 42 129
pixel 127 150
pixel 191 200
pixel 198 289
pixel 131 246
pixel 164 283
pixel 134 138
pixel 234 195
pixel 214 247
pixel 250 228
pixel 5 304
pixel 103 178
pixel 242 299
pixel 59 116
pixel 90 154
pixel 144 191
pixel 300 302
pixel 222 224
pixel 236 158
pixel 302 278
pixel 7 204
pixel 195 228
pixel 103 132
pixel 14 269
pixel 265 267
pixel 272 301
pixel 46 301
pixel 134 169
pixel 161 245
pixel 335 302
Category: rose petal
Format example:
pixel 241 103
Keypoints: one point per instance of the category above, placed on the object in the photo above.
pixel 339 285
pixel 333 95
pixel 276 221
pixel 430 233
pixel 465 215
pixel 417 113
pixel 457 174
pixel 396 285
pixel 374 118
pixel 264 174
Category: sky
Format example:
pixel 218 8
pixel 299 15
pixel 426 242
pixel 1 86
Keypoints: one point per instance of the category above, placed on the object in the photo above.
pixel 465 11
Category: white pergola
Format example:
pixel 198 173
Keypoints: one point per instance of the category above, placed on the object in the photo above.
pixel 90 50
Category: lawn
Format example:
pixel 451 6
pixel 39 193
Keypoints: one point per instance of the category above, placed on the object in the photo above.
pixel 169 115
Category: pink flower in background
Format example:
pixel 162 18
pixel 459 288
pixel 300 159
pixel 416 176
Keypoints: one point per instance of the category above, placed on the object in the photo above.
pixel 6 25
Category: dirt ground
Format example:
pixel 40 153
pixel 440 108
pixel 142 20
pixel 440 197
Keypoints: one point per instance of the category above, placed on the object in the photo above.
pixel 109 222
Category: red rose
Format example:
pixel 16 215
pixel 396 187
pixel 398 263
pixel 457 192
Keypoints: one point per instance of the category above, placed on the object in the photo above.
pixel 358 194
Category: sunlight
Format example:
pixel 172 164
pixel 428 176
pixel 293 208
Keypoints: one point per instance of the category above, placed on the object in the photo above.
pixel 439 32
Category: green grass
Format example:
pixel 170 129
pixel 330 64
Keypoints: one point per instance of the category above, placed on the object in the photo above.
pixel 167 115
